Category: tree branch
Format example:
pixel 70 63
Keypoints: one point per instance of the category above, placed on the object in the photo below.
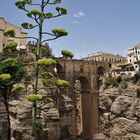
pixel 25 10
pixel 26 37
pixel 45 3
pixel 32 27
pixel 36 19
pixel 50 39
pixel 54 16
pixel 48 33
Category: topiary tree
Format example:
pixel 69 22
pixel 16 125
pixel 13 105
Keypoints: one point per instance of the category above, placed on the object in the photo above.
pixel 39 16
pixel 67 54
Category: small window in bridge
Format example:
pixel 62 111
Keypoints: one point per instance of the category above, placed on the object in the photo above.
pixel 81 69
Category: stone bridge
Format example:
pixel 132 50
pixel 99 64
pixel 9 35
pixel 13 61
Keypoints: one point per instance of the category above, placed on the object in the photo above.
pixel 85 116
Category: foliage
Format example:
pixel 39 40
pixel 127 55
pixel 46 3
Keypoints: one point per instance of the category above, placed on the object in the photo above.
pixel 45 50
pixel 46 62
pixel 48 82
pixel 67 53
pixel 47 100
pixel 26 58
pixel 62 84
pixel 61 10
pixel 34 97
pixel 14 68
pixel 59 32
pixel 47 75
pixel 34 13
pixel 10 47
pixel 9 62
pixel 113 81
pixel 4 80
pixel 17 90
pixel 10 33
pixel 27 25
pixel 122 86
pixel 39 15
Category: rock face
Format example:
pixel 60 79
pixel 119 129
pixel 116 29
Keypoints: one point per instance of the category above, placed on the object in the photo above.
pixel 3 120
pixel 53 119
pixel 120 114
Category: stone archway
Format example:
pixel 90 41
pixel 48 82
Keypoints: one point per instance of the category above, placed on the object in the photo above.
pixel 85 107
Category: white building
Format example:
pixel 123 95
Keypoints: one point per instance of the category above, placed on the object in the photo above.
pixel 4 25
pixel 133 54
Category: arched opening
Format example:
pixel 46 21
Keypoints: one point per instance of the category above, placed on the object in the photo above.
pixel 100 75
pixel 60 71
pixel 100 71
pixel 83 108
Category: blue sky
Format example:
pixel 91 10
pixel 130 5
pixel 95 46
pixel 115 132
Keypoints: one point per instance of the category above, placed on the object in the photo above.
pixel 93 25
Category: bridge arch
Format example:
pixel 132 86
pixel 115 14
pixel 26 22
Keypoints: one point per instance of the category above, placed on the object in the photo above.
pixel 87 73
pixel 100 70
pixel 84 83
pixel 84 107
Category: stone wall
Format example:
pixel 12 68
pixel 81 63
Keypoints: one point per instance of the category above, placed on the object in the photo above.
pixel 120 114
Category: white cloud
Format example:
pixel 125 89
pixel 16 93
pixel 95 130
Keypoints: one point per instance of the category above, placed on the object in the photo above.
pixel 76 22
pixel 79 14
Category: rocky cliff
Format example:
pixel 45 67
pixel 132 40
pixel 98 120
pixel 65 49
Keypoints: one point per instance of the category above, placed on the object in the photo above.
pixel 120 114
pixel 54 119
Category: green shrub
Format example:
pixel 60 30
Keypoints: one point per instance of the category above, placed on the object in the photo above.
pixel 17 90
pixel 67 53
pixel 46 62
pixel 62 84
pixel 59 32
pixel 122 86
pixel 47 75
pixel 4 80
pixel 48 82
pixel 113 81
pixel 10 47
pixel 34 97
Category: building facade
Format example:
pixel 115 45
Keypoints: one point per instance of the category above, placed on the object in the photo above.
pixel 4 25
pixel 106 57
pixel 133 54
